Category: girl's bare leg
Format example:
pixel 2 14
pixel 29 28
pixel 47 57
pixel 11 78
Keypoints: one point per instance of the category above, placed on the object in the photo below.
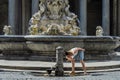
pixel 73 65
pixel 83 66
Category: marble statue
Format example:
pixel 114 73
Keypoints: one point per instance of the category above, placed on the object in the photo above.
pixel 99 31
pixel 7 30
pixel 54 18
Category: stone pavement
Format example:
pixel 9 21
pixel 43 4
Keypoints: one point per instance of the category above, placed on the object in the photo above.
pixel 28 76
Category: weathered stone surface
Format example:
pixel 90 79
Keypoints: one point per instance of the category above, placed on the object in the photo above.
pixel 54 18
pixel 46 45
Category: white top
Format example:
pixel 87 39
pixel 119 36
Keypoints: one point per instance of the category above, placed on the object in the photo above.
pixel 73 51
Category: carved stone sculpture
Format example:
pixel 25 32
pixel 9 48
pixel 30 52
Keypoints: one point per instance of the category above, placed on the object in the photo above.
pixel 54 30
pixel 7 30
pixel 54 18
pixel 99 31
pixel 33 29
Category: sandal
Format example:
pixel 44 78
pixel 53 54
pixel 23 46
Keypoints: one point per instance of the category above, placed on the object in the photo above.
pixel 72 73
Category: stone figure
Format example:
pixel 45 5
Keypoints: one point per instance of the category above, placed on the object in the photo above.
pixel 54 8
pixel 35 19
pixel 67 11
pixel 42 7
pixel 37 16
pixel 33 30
pixel 75 31
pixel 99 31
pixel 53 30
pixel 42 29
pixel 54 18
pixel 7 30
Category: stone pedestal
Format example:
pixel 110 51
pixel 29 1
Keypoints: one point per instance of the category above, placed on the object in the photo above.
pixel 59 62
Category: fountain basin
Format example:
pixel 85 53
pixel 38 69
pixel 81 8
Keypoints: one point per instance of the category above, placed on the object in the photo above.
pixel 46 45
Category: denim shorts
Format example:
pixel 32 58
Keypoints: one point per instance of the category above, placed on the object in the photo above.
pixel 79 55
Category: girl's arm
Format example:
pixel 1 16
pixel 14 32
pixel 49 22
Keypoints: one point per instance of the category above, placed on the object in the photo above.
pixel 69 58
pixel 80 49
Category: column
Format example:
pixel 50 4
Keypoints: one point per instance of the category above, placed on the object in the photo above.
pixel 114 16
pixel 83 16
pixel 35 6
pixel 106 17
pixel 26 14
pixel 15 16
pixel 11 14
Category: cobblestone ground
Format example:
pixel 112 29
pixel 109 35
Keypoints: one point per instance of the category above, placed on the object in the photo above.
pixel 92 76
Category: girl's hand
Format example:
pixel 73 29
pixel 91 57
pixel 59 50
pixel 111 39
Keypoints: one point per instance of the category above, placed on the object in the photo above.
pixel 83 49
pixel 80 49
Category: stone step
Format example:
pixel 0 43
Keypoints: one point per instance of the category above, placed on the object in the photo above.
pixel 53 58
pixel 43 66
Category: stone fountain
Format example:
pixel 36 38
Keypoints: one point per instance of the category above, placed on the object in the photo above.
pixel 52 26
pixel 54 18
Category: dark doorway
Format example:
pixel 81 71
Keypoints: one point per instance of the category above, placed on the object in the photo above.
pixel 94 16
pixel 113 18
pixel 3 14
pixel 74 6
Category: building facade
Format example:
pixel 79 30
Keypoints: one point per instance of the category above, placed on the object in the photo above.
pixel 91 13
